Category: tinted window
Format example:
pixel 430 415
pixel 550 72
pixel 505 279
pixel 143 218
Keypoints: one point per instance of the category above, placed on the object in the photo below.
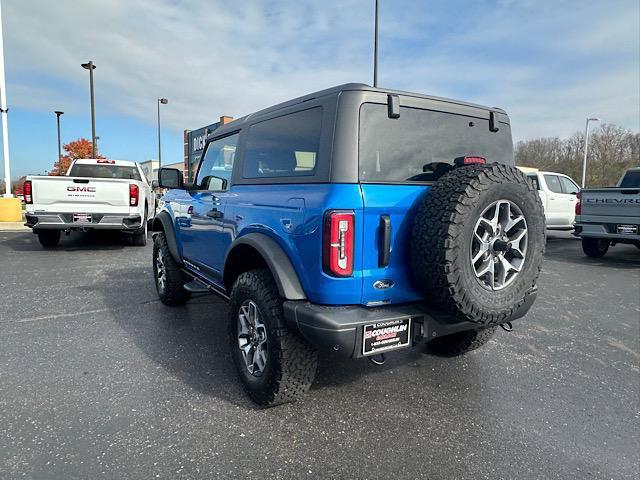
pixel 421 144
pixel 285 146
pixel 217 162
pixel 102 170
pixel 631 179
pixel 553 183
pixel 534 181
pixel 568 185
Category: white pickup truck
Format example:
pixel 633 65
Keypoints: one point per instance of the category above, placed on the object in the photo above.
pixel 558 193
pixel 95 194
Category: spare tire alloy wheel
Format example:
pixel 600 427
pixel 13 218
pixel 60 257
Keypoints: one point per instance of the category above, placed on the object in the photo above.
pixel 252 338
pixel 499 245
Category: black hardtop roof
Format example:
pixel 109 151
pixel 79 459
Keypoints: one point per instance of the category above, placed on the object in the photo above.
pixel 345 88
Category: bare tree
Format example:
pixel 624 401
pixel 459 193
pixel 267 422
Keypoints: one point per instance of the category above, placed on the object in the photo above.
pixel 612 149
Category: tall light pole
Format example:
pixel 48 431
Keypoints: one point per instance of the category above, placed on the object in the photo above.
pixel 586 148
pixel 5 126
pixel 91 67
pixel 162 101
pixel 375 49
pixel 58 113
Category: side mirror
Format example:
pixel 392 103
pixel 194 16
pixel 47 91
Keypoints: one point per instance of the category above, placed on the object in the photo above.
pixel 170 178
pixel 154 184
pixel 213 183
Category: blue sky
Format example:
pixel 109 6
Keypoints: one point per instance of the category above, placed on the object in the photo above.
pixel 548 63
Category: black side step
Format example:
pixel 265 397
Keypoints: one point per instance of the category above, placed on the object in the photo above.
pixel 196 286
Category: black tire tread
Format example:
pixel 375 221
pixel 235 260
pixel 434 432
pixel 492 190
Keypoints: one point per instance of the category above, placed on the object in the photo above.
pixel 440 221
pixel 296 365
pixel 462 342
pixel 174 293
pixel 49 238
pixel 591 247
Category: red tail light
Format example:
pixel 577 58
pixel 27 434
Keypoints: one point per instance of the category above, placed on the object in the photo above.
pixel 134 194
pixel 338 237
pixel 27 192
pixel 578 203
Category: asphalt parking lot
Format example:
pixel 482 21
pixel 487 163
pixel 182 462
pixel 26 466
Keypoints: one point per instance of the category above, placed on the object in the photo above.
pixel 100 380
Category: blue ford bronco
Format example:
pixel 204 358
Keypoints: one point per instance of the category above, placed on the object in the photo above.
pixel 354 219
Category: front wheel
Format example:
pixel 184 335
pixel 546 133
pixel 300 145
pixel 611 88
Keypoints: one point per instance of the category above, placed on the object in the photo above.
pixel 595 247
pixel 275 365
pixel 169 279
pixel 49 238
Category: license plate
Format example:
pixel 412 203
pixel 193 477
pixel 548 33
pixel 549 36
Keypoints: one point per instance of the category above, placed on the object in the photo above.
pixel 384 336
pixel 81 218
pixel 628 229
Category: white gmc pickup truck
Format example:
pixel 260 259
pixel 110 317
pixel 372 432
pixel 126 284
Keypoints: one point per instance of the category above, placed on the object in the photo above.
pixel 95 194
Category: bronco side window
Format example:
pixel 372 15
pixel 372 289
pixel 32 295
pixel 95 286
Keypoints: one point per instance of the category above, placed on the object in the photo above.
pixel 285 146
pixel 217 164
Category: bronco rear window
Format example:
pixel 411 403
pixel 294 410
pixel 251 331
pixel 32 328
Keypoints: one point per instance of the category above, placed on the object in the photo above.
pixel 88 170
pixel 421 144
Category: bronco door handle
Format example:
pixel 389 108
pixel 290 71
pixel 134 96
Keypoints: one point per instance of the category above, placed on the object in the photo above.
pixel 215 213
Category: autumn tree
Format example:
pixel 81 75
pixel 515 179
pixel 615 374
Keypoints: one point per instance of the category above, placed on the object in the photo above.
pixel 81 148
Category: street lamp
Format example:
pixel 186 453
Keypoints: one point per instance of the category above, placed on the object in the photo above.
pixel 58 113
pixel 375 49
pixel 162 101
pixel 91 67
pixel 586 147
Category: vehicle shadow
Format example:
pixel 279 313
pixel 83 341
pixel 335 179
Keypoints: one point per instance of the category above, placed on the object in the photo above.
pixel 190 342
pixel 569 250
pixel 75 241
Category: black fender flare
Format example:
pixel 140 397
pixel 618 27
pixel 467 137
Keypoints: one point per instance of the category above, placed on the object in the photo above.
pixel 276 259
pixel 163 223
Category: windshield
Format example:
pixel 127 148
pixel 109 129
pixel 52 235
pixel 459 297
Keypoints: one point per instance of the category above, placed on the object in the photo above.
pixel 421 145
pixel 88 170
pixel 631 179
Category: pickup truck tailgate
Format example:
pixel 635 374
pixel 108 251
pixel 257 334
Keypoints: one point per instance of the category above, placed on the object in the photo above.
pixel 611 202
pixel 69 194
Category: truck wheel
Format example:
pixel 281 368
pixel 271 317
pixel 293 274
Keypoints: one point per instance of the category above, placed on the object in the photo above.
pixel 49 238
pixel 140 236
pixel 275 365
pixel 461 342
pixel 595 247
pixel 170 280
pixel 478 242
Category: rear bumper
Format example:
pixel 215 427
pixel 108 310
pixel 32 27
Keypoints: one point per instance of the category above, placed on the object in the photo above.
pixel 341 328
pixel 64 221
pixel 607 231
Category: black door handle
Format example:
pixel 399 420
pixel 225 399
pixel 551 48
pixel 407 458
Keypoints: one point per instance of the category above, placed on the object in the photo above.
pixel 384 248
pixel 215 213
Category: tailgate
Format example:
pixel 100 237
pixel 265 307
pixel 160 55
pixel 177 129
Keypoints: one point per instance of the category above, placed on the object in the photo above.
pixel 611 202
pixel 69 194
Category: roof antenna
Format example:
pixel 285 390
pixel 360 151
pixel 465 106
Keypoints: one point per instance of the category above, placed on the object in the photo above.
pixel 375 50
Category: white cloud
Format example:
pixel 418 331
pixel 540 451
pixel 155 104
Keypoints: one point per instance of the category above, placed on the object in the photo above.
pixel 550 64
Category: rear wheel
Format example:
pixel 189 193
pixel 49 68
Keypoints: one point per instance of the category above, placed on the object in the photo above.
pixel 169 279
pixel 140 236
pixel 595 247
pixel 275 365
pixel 461 343
pixel 49 238
pixel 478 242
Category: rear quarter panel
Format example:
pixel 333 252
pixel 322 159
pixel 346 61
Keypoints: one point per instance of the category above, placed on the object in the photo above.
pixel 292 215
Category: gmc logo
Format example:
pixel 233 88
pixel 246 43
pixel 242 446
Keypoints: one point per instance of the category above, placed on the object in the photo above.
pixel 81 189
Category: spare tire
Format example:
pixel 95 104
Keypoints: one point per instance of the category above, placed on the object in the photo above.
pixel 478 242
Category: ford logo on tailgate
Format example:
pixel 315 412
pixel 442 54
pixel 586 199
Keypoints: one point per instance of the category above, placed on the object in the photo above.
pixel 383 284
